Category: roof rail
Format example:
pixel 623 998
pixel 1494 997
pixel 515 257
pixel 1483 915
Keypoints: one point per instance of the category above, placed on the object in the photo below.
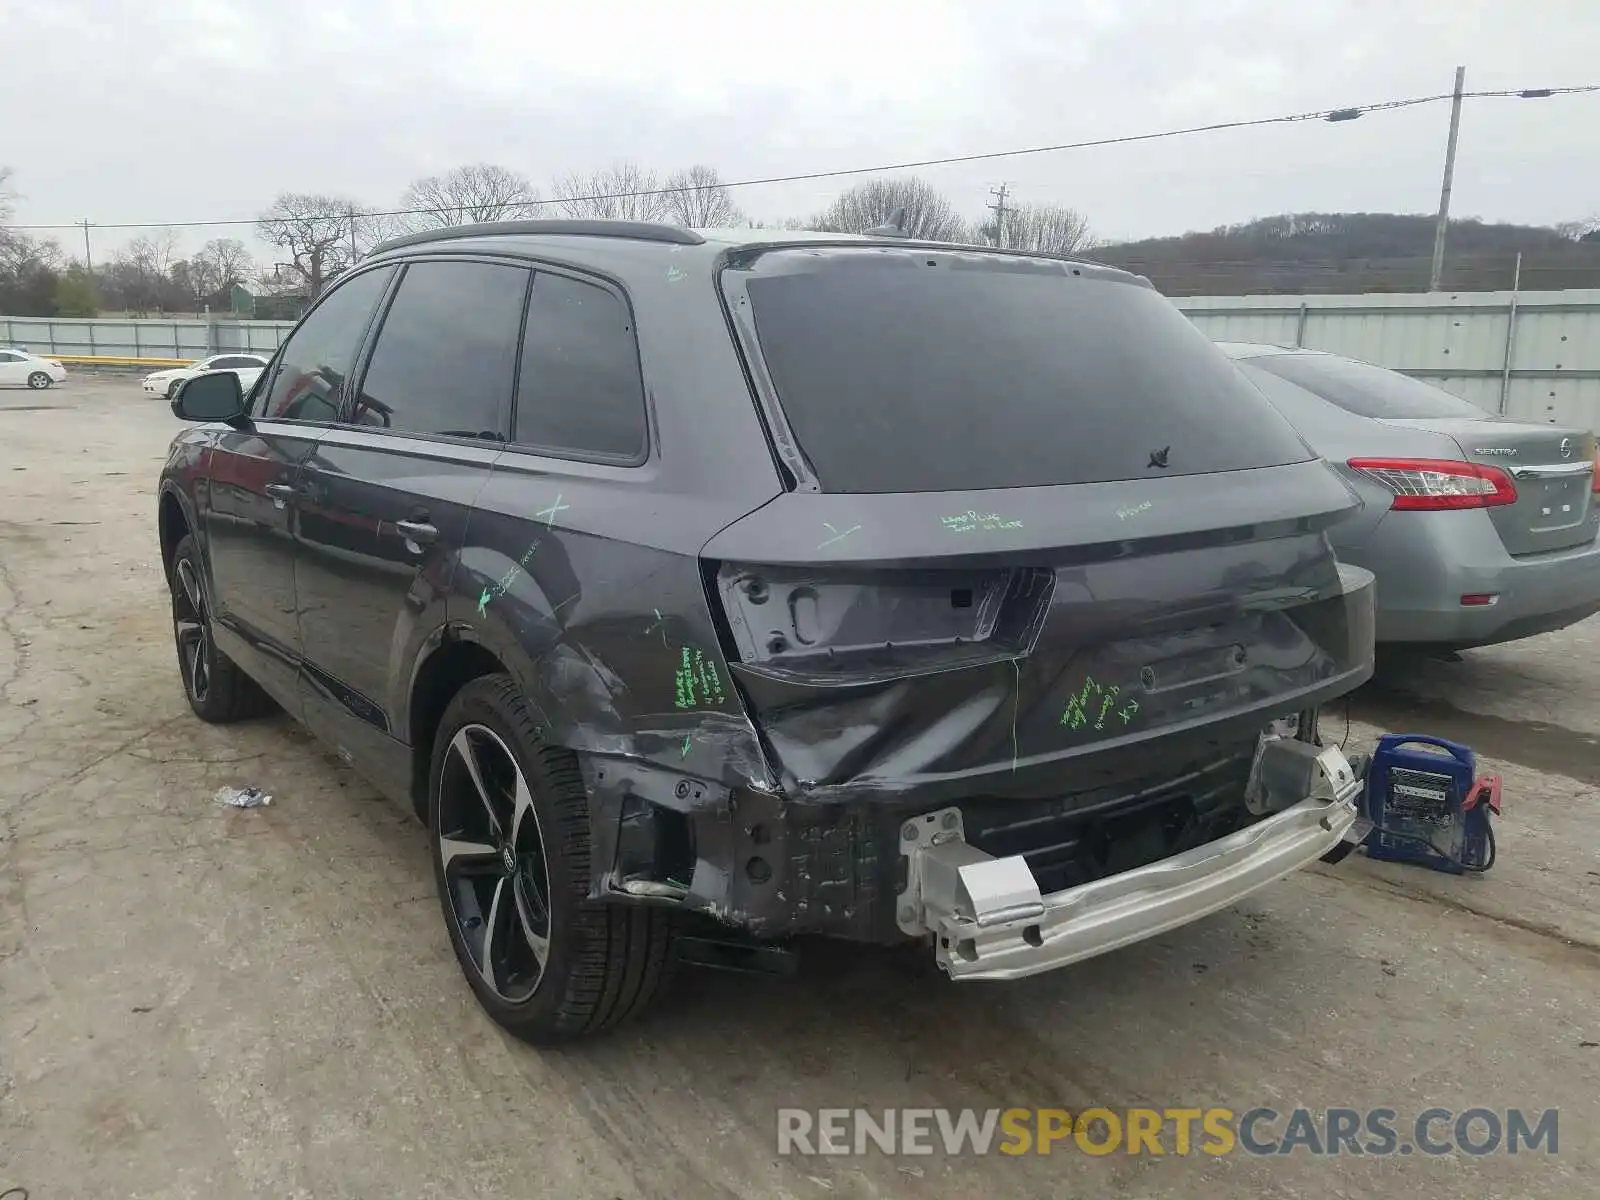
pixel 643 231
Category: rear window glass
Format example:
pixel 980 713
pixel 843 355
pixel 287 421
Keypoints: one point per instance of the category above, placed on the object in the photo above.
pixel 1364 389
pixel 914 371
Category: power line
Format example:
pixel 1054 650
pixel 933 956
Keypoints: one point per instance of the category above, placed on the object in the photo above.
pixel 1325 114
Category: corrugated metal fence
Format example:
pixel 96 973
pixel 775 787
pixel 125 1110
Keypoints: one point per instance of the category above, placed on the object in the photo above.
pixel 1534 355
pixel 188 339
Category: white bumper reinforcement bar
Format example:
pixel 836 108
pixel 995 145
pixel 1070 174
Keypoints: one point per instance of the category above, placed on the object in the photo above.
pixel 989 920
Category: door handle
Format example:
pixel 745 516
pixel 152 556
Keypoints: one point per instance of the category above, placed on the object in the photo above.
pixel 420 532
pixel 281 491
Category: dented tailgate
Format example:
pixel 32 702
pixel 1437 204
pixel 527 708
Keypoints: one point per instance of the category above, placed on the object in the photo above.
pixel 988 644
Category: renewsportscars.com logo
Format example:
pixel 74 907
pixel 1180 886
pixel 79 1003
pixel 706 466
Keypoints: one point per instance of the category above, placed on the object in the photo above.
pixel 1378 1132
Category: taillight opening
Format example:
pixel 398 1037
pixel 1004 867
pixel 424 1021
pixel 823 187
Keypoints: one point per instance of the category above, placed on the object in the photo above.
pixel 1594 478
pixel 1438 484
pixel 873 622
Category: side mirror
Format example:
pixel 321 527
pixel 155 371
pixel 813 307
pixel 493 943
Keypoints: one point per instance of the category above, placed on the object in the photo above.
pixel 213 396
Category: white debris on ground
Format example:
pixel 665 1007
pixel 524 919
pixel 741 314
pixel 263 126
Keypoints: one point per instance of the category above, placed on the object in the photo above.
pixel 242 797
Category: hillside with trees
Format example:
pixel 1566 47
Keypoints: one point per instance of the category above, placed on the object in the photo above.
pixel 1361 252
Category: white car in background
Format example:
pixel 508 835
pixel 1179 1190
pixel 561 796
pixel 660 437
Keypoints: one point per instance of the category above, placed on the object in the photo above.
pixel 247 367
pixel 19 368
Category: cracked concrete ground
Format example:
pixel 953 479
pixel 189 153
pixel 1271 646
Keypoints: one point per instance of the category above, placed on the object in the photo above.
pixel 204 1002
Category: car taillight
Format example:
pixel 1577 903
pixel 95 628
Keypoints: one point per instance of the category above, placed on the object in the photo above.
pixel 1436 484
pixel 1594 480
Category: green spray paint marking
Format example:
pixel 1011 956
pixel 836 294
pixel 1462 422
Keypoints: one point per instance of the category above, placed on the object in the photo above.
pixel 684 753
pixel 549 514
pixel 837 536
pixel 495 590
pixel 972 522
pixel 1094 704
pixel 1133 510
pixel 661 624
pixel 696 682
pixel 503 585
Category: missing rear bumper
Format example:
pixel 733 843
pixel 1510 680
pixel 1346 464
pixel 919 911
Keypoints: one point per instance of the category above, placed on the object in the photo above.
pixel 989 919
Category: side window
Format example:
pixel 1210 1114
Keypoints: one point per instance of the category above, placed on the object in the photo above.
pixel 232 360
pixel 580 391
pixel 322 349
pixel 7 356
pixel 446 356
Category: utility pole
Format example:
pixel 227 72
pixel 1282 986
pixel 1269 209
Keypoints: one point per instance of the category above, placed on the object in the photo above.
pixel 353 235
pixel 1449 177
pixel 88 262
pixel 1000 210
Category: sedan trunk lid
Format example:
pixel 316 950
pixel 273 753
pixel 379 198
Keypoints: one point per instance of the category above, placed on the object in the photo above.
pixel 1551 467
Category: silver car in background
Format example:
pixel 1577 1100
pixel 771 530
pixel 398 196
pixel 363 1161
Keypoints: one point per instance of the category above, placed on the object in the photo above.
pixel 1479 529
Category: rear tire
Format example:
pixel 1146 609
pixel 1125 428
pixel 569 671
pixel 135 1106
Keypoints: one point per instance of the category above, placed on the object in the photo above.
pixel 511 840
pixel 38 381
pixel 218 691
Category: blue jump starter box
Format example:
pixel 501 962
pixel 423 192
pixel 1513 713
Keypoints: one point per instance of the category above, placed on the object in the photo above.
pixel 1428 806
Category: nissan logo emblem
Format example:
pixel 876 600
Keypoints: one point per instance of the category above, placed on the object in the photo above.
pixel 1566 447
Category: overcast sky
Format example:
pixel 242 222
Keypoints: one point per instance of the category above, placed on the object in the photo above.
pixel 176 110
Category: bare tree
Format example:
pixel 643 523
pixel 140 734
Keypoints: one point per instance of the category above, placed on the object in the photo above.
pixel 700 200
pixel 140 275
pixel 154 253
pixel 221 263
pixel 322 235
pixel 22 255
pixel 191 283
pixel 928 212
pixel 623 192
pixel 18 252
pixel 1042 228
pixel 465 195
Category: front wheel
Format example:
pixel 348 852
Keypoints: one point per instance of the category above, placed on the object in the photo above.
pixel 38 381
pixel 510 825
pixel 218 691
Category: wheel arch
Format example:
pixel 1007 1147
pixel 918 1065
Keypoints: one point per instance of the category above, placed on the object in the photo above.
pixel 174 521
pixel 452 664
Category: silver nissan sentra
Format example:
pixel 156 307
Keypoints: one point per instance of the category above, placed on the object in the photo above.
pixel 1480 529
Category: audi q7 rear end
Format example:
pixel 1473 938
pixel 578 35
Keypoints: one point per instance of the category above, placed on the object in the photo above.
pixel 1043 573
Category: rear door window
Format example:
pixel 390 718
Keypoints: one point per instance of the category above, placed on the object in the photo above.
pixel 445 359
pixel 1364 389
pixel 580 393
pixel 322 349
pixel 912 371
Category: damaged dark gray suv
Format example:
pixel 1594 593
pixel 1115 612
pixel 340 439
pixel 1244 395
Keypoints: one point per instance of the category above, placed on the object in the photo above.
pixel 703 590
